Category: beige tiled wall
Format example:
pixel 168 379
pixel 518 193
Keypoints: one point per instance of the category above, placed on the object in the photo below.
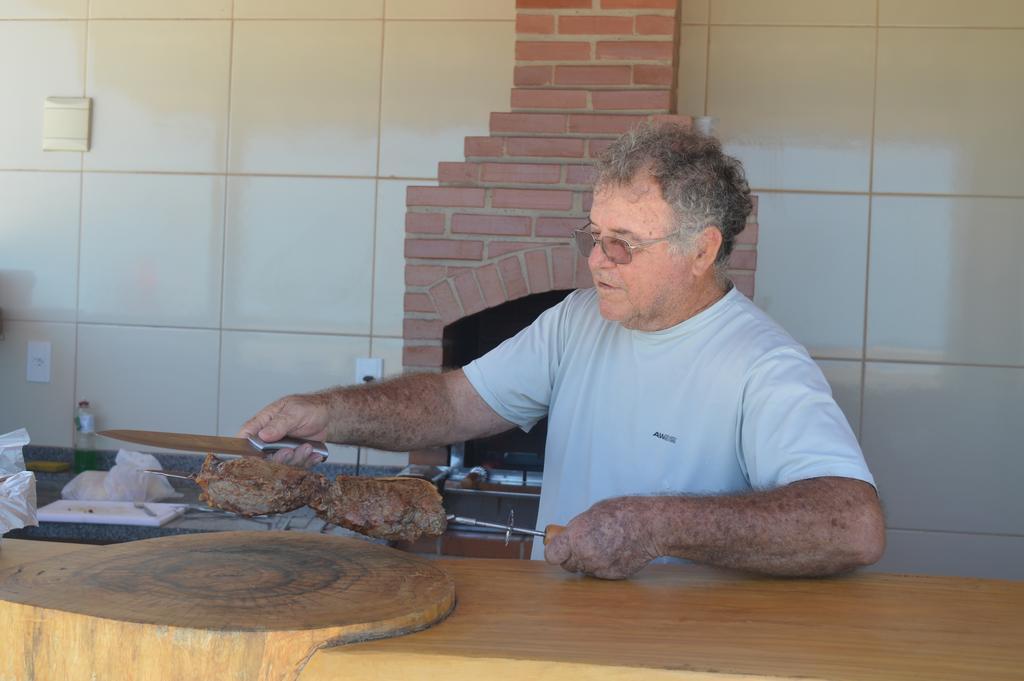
pixel 235 232
pixel 884 138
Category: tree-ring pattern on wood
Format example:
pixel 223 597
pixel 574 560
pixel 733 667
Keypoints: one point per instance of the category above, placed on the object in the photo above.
pixel 239 581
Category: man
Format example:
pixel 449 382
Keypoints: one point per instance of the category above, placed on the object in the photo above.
pixel 682 421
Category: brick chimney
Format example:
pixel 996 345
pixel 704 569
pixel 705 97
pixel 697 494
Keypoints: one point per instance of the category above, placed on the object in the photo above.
pixel 497 226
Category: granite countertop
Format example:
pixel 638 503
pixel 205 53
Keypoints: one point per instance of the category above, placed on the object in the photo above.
pixel 197 518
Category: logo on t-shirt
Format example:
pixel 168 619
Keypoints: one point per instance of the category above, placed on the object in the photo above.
pixel 667 438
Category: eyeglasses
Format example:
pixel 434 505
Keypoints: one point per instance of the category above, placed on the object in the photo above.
pixel 619 251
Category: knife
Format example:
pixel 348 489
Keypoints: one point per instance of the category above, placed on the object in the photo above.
pixel 250 446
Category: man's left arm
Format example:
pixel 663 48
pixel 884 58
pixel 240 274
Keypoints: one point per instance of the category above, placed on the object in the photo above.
pixel 814 527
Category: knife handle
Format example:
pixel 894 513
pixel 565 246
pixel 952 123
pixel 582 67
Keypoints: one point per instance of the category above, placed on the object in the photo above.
pixel 552 531
pixel 288 443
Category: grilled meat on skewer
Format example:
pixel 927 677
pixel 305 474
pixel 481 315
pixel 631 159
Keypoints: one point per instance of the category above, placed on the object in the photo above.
pixel 254 486
pixel 388 508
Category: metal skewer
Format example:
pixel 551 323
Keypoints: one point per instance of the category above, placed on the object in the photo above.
pixel 509 527
pixel 169 474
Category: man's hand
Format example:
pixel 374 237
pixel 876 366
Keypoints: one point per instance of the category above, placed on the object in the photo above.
pixel 809 528
pixel 304 416
pixel 608 540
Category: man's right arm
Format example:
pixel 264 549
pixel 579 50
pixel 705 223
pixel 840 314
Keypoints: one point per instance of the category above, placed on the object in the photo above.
pixel 400 414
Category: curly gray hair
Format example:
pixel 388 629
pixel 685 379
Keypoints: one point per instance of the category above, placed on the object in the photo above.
pixel 704 187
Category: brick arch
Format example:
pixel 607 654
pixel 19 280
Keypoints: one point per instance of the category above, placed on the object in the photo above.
pixel 451 293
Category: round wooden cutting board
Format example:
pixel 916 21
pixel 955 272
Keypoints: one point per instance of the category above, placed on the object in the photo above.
pixel 222 605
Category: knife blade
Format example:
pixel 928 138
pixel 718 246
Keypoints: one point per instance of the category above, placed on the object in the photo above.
pixel 251 446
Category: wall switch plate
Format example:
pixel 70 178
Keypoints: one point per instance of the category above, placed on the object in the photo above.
pixel 66 123
pixel 38 368
pixel 369 369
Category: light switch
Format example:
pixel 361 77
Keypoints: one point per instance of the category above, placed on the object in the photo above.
pixel 369 369
pixel 66 123
pixel 38 368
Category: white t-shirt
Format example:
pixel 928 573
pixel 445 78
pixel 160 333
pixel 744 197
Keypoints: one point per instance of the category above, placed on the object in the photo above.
pixel 725 401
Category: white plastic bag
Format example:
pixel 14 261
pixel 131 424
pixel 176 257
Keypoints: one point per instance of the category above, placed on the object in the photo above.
pixel 126 481
pixel 17 486
pixel 17 501
pixel 11 460
pixel 86 486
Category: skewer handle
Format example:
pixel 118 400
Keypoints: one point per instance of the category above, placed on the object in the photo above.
pixel 549 532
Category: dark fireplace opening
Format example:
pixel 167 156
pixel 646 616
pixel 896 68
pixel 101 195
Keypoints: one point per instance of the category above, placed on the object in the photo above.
pixel 474 336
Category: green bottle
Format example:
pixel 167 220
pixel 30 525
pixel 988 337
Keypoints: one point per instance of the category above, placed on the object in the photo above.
pixel 85 438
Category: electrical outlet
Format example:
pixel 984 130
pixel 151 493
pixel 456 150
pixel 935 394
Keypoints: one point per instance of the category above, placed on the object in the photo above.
pixel 369 369
pixel 38 367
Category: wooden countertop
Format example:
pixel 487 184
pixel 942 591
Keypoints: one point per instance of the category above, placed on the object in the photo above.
pixel 522 619
pixel 14 552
